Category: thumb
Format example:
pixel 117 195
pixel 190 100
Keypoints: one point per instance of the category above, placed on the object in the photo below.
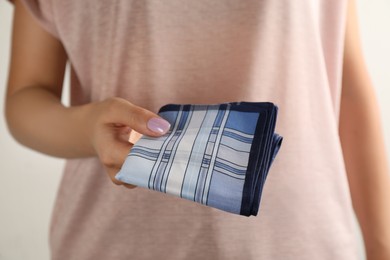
pixel 139 119
pixel 148 123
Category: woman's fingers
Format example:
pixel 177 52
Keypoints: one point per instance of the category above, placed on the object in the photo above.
pixel 134 136
pixel 120 111
pixel 115 161
pixel 117 125
pixel 112 172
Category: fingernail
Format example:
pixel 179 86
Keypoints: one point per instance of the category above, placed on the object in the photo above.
pixel 158 125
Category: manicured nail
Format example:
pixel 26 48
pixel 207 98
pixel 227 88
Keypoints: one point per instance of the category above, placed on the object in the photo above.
pixel 158 125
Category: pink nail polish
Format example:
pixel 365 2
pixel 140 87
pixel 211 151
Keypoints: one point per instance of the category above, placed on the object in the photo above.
pixel 158 125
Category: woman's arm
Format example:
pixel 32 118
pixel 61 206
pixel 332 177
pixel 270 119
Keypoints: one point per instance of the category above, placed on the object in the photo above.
pixel 36 117
pixel 363 147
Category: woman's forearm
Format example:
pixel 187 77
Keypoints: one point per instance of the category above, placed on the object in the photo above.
pixel 363 146
pixel 34 113
pixel 367 169
pixel 37 119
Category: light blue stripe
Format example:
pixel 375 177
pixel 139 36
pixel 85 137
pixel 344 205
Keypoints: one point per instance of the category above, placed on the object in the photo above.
pixel 155 167
pixel 236 144
pixel 195 161
pixel 228 173
pixel 227 129
pixel 229 168
pixel 214 155
pixel 231 164
pixel 238 137
pixel 174 150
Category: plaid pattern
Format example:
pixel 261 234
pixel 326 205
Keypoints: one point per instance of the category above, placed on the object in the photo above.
pixel 216 155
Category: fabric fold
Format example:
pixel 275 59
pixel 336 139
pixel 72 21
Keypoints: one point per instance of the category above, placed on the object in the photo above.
pixel 217 155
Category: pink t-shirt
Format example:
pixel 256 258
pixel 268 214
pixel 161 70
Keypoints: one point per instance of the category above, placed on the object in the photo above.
pixel 182 51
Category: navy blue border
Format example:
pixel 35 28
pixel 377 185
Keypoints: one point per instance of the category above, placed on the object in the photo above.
pixel 263 150
pixel 259 160
pixel 236 106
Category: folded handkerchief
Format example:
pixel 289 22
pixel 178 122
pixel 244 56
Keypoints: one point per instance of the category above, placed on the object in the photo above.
pixel 216 155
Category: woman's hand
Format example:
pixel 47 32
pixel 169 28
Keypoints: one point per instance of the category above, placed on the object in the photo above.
pixel 112 120
pixel 37 119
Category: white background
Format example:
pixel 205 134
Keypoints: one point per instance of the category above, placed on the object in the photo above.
pixel 28 180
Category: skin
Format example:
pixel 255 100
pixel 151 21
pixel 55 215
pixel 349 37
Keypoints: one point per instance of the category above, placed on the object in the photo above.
pixel 37 119
pixel 363 146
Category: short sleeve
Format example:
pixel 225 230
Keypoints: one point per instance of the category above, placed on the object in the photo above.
pixel 42 10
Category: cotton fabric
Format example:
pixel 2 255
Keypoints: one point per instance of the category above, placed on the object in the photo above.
pixel 203 52
pixel 215 155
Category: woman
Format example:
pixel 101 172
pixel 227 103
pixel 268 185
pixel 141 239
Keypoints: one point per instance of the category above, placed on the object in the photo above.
pixel 130 58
